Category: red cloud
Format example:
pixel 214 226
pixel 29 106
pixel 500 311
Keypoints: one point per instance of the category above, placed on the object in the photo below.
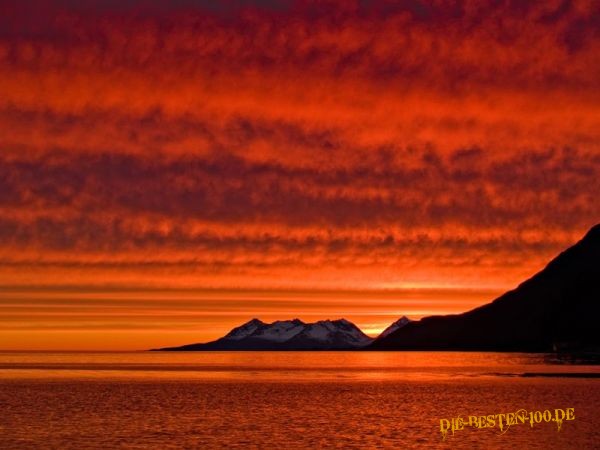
pixel 373 144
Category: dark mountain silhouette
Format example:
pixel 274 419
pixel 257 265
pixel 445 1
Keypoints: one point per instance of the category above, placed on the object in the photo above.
pixel 287 335
pixel 555 309
pixel 402 321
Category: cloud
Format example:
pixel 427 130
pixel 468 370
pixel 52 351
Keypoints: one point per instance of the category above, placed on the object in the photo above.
pixel 295 144
pixel 429 189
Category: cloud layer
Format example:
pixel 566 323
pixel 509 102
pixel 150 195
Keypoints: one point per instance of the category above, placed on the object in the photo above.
pixel 285 144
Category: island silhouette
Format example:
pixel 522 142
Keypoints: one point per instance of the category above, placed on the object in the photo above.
pixel 557 309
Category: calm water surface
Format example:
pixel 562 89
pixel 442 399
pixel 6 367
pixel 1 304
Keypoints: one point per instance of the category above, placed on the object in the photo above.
pixel 289 399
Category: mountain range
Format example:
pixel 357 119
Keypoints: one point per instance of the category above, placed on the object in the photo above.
pixel 556 309
pixel 288 335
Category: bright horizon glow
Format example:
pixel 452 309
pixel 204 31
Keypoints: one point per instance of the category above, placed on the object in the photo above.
pixel 104 319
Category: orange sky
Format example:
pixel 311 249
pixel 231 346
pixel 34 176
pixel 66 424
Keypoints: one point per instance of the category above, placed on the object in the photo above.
pixel 169 171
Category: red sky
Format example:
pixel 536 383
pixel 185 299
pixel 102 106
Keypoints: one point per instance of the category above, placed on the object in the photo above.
pixel 168 171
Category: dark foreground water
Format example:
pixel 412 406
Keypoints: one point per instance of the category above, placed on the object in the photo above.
pixel 291 400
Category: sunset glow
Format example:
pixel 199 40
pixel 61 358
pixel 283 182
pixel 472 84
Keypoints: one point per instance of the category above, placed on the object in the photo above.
pixel 169 170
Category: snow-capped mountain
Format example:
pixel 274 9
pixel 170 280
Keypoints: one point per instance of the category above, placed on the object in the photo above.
pixel 331 334
pixel 280 331
pixel 244 330
pixel 288 335
pixel 394 326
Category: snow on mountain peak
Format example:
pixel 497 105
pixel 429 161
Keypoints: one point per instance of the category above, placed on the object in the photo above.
pixel 402 321
pixel 329 330
pixel 245 330
pixel 280 331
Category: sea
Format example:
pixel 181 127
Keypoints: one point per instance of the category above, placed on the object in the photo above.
pixel 298 400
